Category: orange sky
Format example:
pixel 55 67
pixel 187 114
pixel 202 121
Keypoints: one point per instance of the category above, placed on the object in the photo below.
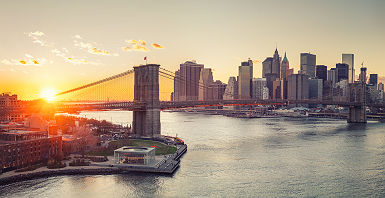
pixel 77 42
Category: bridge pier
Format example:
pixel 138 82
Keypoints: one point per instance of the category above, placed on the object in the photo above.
pixel 357 113
pixel 146 121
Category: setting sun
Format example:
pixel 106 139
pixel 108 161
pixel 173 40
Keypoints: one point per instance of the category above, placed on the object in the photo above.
pixel 48 94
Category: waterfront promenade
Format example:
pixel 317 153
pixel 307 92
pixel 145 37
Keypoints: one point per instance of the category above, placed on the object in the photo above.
pixel 166 166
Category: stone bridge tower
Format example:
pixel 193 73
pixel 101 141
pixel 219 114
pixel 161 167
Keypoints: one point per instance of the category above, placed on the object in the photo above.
pixel 146 121
pixel 357 96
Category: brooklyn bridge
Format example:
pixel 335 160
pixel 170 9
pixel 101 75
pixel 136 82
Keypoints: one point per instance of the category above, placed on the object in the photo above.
pixel 115 92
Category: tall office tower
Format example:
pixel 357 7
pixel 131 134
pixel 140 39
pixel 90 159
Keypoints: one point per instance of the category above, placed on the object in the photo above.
pixel 231 91
pixel 315 88
pixel 189 80
pixel 205 80
pixel 284 68
pixel 321 72
pixel 277 89
pixel 381 86
pixel 363 75
pixel 308 62
pixel 373 79
pixel 177 81
pixel 259 87
pixel 267 65
pixel 245 79
pixel 270 78
pixel 332 76
pixel 349 59
pixel 276 65
pixel 216 90
pixel 298 87
pixel 342 71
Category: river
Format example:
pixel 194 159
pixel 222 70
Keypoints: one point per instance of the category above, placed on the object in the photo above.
pixel 235 157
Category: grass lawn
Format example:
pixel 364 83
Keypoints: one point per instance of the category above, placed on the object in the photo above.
pixel 160 149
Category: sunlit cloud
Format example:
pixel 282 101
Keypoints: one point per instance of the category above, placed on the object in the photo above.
pixel 135 45
pixel 29 60
pixel 90 47
pixel 69 59
pixel 157 46
pixel 36 38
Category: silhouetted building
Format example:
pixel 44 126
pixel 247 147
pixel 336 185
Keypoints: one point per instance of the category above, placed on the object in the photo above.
pixel 267 65
pixel 342 71
pixel 362 77
pixel 308 62
pixel 276 65
pixel 270 78
pixel 373 79
pixel 349 59
pixel 321 72
pixel 284 67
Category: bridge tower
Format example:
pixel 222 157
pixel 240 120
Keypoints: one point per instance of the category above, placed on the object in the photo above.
pixel 357 112
pixel 146 121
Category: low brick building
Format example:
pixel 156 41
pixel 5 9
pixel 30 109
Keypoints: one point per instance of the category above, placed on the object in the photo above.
pixel 21 148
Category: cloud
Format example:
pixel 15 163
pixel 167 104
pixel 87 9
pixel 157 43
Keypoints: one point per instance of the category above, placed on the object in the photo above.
pixel 29 60
pixel 76 61
pixel 36 38
pixel 135 45
pixel 157 46
pixel 90 47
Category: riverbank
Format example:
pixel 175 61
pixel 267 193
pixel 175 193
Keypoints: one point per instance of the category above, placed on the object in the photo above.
pixel 168 165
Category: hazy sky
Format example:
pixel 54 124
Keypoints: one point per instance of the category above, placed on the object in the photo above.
pixel 76 42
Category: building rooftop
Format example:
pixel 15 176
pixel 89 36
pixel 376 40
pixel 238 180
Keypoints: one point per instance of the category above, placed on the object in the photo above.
pixel 130 149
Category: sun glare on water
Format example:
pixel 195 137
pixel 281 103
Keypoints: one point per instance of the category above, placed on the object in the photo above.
pixel 48 94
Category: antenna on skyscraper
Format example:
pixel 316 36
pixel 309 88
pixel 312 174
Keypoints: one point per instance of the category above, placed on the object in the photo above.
pixel 362 64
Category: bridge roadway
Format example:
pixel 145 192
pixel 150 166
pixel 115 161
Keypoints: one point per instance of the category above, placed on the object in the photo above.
pixel 132 105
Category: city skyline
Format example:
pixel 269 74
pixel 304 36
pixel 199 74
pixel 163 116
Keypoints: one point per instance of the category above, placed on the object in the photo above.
pixel 118 43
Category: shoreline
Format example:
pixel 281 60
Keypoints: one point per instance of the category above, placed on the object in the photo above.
pixel 169 166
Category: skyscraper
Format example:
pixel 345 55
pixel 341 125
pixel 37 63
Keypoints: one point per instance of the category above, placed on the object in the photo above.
pixel 284 67
pixel 267 65
pixel 206 78
pixel 298 87
pixel 231 91
pixel 363 75
pixel 373 79
pixel 308 62
pixel 342 71
pixel 245 79
pixel 321 72
pixel 349 59
pixel 332 76
pixel 188 81
pixel 260 89
pixel 276 65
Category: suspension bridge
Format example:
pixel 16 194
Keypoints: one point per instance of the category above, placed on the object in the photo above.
pixel 139 90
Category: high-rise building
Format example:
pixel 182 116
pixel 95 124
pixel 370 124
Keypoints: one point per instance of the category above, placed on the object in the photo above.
pixel 342 71
pixel 381 86
pixel 321 72
pixel 276 65
pixel 373 79
pixel 284 67
pixel 216 90
pixel 362 77
pixel 291 71
pixel 349 59
pixel 277 89
pixel 270 78
pixel 260 90
pixel 298 87
pixel 245 79
pixel 187 86
pixel 308 62
pixel 267 65
pixel 315 88
pixel 231 91
pixel 332 76
pixel 206 78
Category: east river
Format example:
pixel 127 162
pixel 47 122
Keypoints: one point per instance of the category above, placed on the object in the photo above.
pixel 235 157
